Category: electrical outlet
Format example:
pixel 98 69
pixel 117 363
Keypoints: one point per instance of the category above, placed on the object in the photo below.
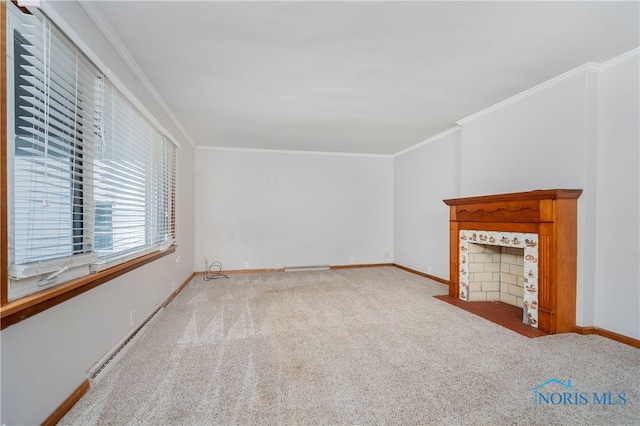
pixel 133 317
pixel 246 265
pixel 351 260
pixel 173 286
pixel 386 254
pixel 429 269
pixel 177 259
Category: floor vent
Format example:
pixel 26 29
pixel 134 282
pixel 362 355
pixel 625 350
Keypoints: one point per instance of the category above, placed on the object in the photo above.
pixel 109 359
pixel 306 268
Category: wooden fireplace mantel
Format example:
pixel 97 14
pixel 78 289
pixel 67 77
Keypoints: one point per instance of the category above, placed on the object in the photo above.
pixel 552 214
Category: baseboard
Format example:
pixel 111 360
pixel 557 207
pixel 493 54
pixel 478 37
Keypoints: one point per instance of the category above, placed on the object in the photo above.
pixel 362 265
pixel 59 412
pixel 243 271
pixel 267 270
pixel 584 330
pixel 422 274
pixel 608 334
pixel 579 330
pixel 55 417
pixel 68 404
pixel 178 290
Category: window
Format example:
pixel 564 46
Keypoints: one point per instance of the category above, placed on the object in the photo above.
pixel 91 178
pixel 103 230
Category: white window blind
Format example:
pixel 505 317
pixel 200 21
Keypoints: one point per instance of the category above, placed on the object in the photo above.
pixel 54 129
pixel 93 180
pixel 134 179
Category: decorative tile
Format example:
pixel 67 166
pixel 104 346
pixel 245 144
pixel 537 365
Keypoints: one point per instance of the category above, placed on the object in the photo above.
pixel 529 242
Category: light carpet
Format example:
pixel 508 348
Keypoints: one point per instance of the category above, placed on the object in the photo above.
pixel 352 346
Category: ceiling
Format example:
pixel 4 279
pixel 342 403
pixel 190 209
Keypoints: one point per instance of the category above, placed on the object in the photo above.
pixel 359 77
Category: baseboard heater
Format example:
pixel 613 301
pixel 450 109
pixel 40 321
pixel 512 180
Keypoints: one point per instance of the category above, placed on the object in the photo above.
pixel 108 360
pixel 306 268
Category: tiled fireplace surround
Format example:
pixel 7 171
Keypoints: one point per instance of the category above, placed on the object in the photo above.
pixel 543 224
pixel 500 266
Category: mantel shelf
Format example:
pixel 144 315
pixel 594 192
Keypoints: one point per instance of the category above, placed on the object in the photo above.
pixel 541 194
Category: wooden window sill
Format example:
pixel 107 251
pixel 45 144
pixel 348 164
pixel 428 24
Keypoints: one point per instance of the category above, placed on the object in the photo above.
pixel 25 307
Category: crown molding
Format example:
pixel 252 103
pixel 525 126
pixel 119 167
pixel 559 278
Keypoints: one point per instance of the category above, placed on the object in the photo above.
pixel 619 60
pixel 290 152
pixel 46 9
pixel 589 67
pixel 103 26
pixel 427 141
pixel 101 23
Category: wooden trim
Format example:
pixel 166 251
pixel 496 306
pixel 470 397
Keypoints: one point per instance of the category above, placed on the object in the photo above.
pixel 422 274
pixel 243 271
pixel 361 265
pixel 68 404
pixel 64 408
pixel 251 271
pixel 179 289
pixel 4 243
pixel 267 270
pixel 552 215
pixel 608 334
pixel 584 330
pixel 28 306
pixel 546 194
pixel 22 8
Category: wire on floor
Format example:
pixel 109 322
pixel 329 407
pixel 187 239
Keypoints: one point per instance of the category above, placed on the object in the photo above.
pixel 214 271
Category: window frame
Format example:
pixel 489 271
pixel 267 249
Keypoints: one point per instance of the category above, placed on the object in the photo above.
pixel 21 308
pixel 27 306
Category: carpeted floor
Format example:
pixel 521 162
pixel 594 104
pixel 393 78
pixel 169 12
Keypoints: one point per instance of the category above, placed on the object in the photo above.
pixel 353 346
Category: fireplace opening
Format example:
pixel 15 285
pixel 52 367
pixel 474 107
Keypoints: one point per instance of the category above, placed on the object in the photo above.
pixel 496 274
pixel 500 266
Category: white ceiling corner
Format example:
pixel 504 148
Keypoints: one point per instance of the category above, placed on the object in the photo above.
pixel 428 141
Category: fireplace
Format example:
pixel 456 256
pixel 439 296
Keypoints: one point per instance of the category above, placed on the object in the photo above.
pixel 542 224
pixel 500 266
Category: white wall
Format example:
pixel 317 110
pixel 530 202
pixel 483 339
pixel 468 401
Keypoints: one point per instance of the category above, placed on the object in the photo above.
pixel 422 178
pixel 580 131
pixel 45 357
pixel 535 143
pixel 539 142
pixel 617 273
pixel 292 209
